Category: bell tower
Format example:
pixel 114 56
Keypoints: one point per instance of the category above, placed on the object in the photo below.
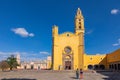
pixel 79 31
pixel 79 22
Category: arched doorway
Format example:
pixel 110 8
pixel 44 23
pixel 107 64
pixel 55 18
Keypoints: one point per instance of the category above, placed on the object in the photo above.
pixel 96 67
pixel 32 67
pixel 115 65
pixel 112 66
pixel 67 65
pixel 90 66
pixel 38 67
pixel 118 66
pixel 102 67
pixel 67 58
pixel 109 66
pixel 25 67
pixel 67 62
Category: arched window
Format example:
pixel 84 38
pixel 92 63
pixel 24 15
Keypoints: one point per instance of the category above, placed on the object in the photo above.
pixel 79 27
pixel 68 35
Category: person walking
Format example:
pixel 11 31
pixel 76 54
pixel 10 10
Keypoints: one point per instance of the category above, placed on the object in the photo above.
pixel 81 74
pixel 77 74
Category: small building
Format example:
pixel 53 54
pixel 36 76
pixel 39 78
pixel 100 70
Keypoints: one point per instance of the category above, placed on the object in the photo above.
pixel 35 65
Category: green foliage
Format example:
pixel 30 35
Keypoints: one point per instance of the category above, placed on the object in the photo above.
pixel 4 65
pixel 12 62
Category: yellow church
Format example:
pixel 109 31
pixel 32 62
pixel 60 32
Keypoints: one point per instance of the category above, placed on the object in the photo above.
pixel 68 51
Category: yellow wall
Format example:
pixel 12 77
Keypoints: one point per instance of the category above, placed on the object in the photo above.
pixel 114 56
pixel 94 60
pixel 62 41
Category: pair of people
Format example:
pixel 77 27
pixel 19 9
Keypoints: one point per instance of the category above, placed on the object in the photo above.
pixel 79 73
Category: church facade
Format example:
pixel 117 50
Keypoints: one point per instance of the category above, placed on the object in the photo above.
pixel 68 50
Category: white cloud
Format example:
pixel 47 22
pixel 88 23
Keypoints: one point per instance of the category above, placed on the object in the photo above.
pixel 115 11
pixel 5 55
pixel 89 32
pixel 8 53
pixel 22 32
pixel 1 53
pixel 117 44
pixel 43 52
pixel 25 56
pixel 31 35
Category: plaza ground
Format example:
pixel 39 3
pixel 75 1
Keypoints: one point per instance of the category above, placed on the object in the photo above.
pixel 57 75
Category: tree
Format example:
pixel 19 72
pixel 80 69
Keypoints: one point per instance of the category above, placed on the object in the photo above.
pixel 4 65
pixel 12 62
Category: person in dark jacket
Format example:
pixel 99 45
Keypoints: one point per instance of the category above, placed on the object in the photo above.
pixel 77 74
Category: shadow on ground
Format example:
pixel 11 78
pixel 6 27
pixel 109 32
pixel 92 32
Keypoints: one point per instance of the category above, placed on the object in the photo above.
pixel 18 79
pixel 110 75
pixel 73 77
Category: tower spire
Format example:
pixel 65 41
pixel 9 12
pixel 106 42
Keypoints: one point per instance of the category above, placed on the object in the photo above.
pixel 78 11
pixel 79 22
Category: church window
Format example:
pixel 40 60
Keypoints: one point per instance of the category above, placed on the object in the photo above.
pixel 90 58
pixel 68 35
pixel 79 27
pixel 67 49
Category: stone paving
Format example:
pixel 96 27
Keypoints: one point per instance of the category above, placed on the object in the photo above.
pixel 56 75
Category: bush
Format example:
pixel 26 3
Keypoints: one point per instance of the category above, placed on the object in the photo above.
pixel 4 65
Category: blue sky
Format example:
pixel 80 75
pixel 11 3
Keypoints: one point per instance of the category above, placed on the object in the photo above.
pixel 26 25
